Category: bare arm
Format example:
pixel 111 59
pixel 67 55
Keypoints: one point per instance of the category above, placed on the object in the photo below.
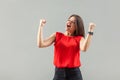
pixel 40 41
pixel 85 43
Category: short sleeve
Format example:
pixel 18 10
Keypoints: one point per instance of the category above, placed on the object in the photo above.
pixel 58 37
pixel 78 38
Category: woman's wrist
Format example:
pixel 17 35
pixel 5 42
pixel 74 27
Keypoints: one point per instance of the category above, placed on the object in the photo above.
pixel 90 32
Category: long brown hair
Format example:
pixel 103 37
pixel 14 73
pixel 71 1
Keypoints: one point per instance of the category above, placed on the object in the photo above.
pixel 79 26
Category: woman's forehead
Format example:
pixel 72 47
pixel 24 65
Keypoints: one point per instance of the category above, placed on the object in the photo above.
pixel 72 18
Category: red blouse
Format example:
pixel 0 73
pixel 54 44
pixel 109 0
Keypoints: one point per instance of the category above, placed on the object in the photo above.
pixel 67 51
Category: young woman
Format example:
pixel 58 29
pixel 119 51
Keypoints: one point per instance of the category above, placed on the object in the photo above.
pixel 67 47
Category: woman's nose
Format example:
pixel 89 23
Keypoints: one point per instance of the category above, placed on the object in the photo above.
pixel 69 22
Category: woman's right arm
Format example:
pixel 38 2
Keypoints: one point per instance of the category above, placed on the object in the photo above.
pixel 40 41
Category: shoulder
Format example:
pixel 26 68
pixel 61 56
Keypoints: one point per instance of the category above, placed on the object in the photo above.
pixel 53 34
pixel 79 37
pixel 82 39
pixel 56 34
pixel 59 34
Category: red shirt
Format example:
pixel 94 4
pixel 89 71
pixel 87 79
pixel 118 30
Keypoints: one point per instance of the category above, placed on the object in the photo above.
pixel 67 51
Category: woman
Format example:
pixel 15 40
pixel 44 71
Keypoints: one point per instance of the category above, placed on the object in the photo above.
pixel 67 47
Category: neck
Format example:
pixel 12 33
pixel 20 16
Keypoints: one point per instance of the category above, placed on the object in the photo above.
pixel 68 33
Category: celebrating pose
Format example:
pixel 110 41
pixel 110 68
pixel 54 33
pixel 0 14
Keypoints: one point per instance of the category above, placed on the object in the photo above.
pixel 67 47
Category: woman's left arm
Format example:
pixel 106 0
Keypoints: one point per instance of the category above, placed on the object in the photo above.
pixel 85 42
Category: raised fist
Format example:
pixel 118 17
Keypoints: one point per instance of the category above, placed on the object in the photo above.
pixel 42 22
pixel 91 27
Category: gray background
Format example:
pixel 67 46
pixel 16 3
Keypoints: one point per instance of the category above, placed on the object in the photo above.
pixel 21 59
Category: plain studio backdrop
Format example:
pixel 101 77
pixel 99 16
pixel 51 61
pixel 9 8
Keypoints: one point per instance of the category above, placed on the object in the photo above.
pixel 21 59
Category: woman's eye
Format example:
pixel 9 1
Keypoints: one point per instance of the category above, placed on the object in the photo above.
pixel 68 20
pixel 71 21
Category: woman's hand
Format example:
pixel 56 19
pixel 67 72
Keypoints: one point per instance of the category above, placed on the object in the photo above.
pixel 42 22
pixel 91 27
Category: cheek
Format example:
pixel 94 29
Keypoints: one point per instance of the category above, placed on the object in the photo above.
pixel 74 28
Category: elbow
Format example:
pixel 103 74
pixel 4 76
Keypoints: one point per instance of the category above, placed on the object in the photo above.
pixel 84 49
pixel 39 45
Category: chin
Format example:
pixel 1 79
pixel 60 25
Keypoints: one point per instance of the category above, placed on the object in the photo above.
pixel 67 30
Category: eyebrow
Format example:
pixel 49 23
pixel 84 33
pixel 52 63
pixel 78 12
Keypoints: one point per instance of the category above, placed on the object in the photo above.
pixel 71 20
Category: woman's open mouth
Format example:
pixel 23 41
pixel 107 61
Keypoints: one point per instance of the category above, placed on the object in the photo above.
pixel 68 26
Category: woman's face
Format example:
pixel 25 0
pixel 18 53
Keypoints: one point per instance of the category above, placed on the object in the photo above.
pixel 71 25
